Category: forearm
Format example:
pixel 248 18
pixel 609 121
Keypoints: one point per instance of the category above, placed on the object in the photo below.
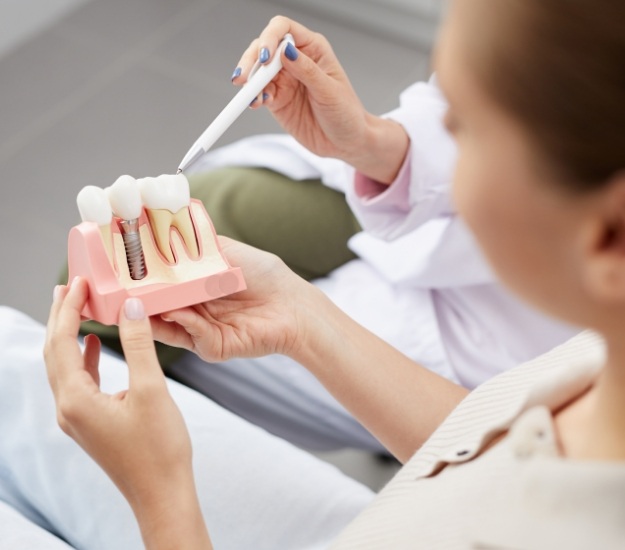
pixel 383 149
pixel 396 399
pixel 171 518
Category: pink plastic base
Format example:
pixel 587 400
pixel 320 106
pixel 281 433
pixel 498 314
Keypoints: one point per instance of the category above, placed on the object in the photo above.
pixel 87 258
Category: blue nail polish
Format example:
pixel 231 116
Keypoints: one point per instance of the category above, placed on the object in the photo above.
pixel 264 55
pixel 291 52
pixel 236 73
pixel 265 96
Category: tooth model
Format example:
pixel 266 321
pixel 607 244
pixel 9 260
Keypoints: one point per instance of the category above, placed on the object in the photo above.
pixel 166 239
pixel 125 199
pixel 93 205
pixel 167 199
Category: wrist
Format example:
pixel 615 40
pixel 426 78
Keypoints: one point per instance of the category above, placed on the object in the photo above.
pixel 319 330
pixel 382 151
pixel 169 515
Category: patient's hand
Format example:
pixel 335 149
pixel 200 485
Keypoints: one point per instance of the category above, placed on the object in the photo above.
pixel 266 318
pixel 137 436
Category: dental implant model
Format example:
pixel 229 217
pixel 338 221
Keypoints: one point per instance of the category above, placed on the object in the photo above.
pixel 147 238
pixel 125 200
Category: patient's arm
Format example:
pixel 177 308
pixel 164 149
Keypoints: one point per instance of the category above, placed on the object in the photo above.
pixel 399 401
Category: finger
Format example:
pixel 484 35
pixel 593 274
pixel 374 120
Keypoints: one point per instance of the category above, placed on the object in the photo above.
pixel 269 93
pixel 274 32
pixel 170 333
pixel 256 102
pixel 303 69
pixel 191 322
pixel 197 329
pixel 91 357
pixel 57 298
pixel 58 295
pixel 245 64
pixel 62 353
pixel 138 344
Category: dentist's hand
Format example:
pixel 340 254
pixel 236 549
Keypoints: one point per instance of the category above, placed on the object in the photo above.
pixel 313 100
pixel 268 317
pixel 137 436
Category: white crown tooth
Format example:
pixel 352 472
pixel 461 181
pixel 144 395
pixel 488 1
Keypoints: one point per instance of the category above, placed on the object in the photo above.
pixel 125 198
pixel 166 192
pixel 94 206
pixel 148 187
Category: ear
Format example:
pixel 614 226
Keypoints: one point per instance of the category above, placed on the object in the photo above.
pixel 604 247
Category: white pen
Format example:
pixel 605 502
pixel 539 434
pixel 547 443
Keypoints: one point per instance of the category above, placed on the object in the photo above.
pixel 259 77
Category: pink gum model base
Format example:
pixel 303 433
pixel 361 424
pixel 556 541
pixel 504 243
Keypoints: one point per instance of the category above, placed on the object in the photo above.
pixel 87 258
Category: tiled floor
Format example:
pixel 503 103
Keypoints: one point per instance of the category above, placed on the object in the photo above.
pixel 125 86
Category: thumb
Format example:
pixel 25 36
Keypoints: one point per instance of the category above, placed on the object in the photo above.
pixel 138 344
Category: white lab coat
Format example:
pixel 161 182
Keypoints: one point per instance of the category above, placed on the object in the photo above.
pixel 413 239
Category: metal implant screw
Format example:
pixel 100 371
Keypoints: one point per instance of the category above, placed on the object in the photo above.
pixel 134 250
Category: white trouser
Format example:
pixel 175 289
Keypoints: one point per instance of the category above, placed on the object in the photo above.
pixel 256 490
pixel 279 395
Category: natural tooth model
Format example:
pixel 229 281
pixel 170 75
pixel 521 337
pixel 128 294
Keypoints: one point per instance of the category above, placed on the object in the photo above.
pixel 93 205
pixel 125 199
pixel 166 199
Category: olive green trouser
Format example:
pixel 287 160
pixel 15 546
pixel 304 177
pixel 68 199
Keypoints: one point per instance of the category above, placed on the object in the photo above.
pixel 303 222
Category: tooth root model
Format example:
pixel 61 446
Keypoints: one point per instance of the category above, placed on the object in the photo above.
pixel 93 205
pixel 167 201
pixel 125 199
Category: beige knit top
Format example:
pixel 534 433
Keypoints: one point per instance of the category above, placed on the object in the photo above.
pixel 458 492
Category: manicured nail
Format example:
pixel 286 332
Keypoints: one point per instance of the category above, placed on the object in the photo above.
pixel 290 52
pixel 264 55
pixel 133 308
pixel 265 96
pixel 236 73
pixel 253 101
pixel 56 293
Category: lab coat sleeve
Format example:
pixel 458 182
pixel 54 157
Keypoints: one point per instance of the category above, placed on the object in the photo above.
pixel 422 190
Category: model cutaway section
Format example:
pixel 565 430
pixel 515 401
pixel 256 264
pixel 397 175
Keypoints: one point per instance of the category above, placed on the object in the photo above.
pixel 147 238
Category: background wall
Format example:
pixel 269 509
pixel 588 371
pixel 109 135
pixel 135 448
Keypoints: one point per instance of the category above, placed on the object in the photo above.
pixel 410 21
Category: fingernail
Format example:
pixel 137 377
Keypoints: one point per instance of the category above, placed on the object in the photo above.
pixel 133 308
pixel 56 293
pixel 253 101
pixel 264 55
pixel 265 96
pixel 73 284
pixel 236 73
pixel 290 52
